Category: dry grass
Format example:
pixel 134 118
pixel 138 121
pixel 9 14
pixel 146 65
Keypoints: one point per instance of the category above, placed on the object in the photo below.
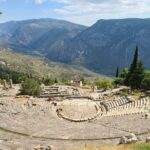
pixel 21 100
pixel 140 146
pixel 106 148
pixel 137 95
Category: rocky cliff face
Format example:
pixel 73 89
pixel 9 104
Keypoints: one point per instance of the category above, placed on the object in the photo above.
pixel 110 43
pixel 39 35
pixel 101 47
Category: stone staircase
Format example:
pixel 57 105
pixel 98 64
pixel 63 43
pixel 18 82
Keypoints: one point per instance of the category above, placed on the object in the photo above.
pixel 50 90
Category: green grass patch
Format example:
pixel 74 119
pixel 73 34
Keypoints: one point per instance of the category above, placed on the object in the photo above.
pixel 141 147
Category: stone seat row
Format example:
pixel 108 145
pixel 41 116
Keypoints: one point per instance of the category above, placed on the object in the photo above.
pixel 140 106
pixel 113 104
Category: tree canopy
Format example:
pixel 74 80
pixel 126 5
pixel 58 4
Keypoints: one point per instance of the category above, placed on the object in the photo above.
pixel 136 76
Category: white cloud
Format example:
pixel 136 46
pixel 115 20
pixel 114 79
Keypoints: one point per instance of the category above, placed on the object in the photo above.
pixel 88 11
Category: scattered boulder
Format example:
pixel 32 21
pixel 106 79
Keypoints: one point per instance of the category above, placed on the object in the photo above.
pixel 29 104
pixel 123 140
pixel 54 103
pixel 39 147
pixel 148 140
pixel 130 139
pixel 1 141
pixel 34 104
pixel 146 116
pixel 131 136
pixel 20 148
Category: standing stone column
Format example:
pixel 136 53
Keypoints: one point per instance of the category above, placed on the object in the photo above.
pixel 93 88
pixel 81 84
pixel 5 84
pixel 11 83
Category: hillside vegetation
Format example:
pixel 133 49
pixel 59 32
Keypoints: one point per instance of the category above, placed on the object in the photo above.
pixel 41 68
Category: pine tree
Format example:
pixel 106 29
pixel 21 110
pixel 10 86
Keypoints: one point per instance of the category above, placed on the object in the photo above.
pixel 117 72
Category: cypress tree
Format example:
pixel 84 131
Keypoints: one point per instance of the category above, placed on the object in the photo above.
pixel 133 67
pixel 55 80
pixel 117 72
pixel 136 72
pixel 137 76
pixel 135 61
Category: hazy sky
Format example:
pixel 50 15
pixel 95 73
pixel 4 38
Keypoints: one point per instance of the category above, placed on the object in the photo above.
pixel 84 12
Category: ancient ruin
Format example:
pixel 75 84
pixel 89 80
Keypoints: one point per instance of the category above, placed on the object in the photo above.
pixel 67 116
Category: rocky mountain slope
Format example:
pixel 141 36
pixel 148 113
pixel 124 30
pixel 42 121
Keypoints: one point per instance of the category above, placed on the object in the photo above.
pixel 38 35
pixel 110 43
pixel 101 47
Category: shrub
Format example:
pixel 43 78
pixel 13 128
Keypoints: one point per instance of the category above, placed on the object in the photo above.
pixel 123 93
pixel 6 74
pixel 105 84
pixel 31 87
pixel 119 81
pixel 64 81
pixel 50 81
pixel 146 82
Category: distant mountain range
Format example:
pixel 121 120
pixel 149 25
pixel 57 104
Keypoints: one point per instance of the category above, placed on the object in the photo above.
pixel 38 35
pixel 101 47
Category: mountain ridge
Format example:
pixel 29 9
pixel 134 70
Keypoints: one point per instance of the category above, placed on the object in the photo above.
pixel 111 43
pixel 25 35
pixel 101 47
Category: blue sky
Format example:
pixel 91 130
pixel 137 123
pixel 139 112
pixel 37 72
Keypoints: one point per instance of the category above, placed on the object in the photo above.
pixel 84 12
